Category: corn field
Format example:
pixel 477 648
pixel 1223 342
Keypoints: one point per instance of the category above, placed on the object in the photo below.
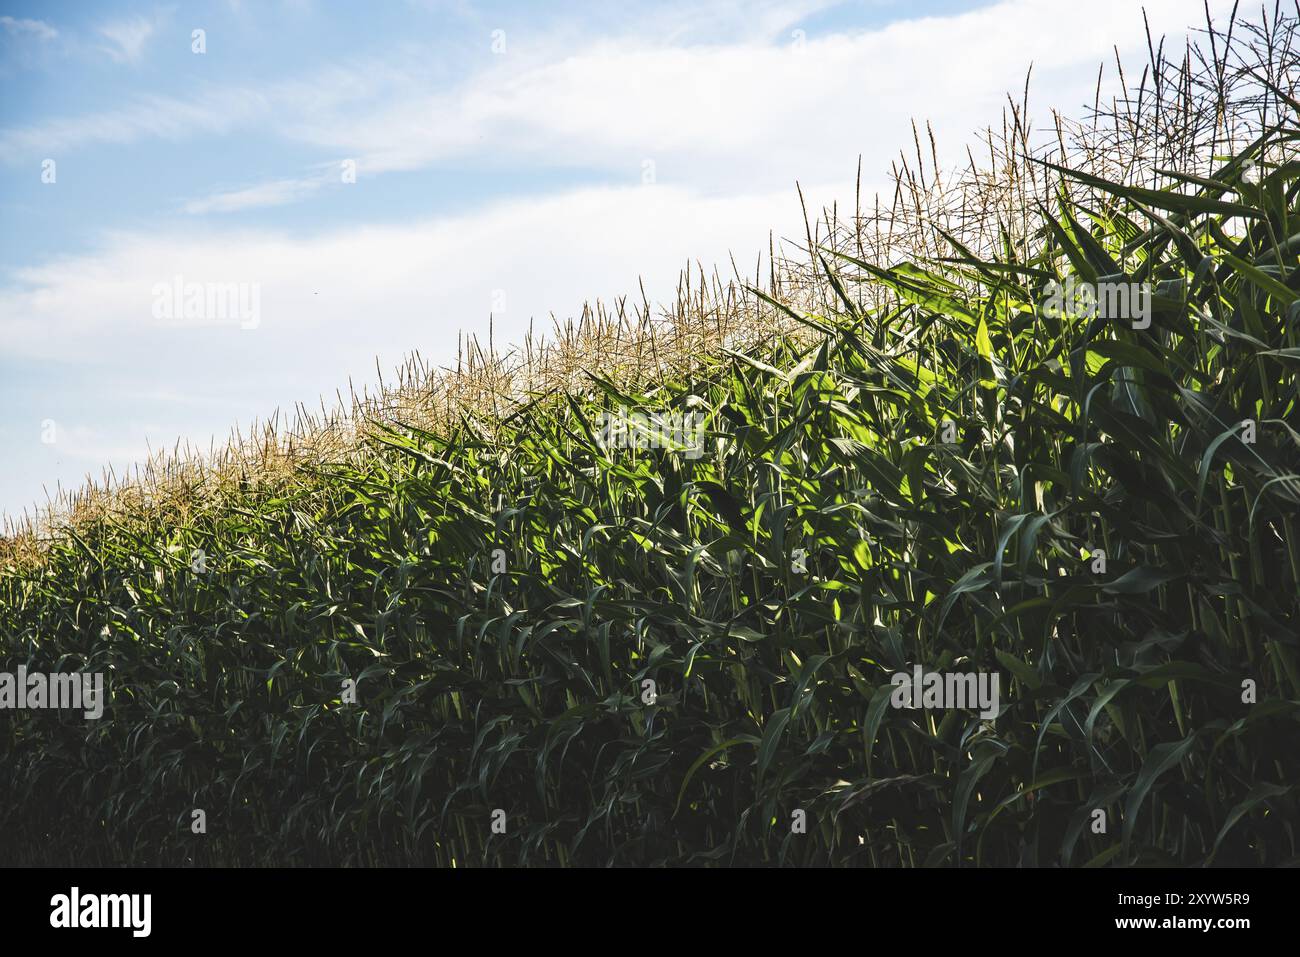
pixel 509 639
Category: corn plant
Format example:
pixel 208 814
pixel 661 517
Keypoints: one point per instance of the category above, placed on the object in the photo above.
pixel 527 643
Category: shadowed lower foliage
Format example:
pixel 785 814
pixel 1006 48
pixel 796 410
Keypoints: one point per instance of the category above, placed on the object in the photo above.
pixel 929 479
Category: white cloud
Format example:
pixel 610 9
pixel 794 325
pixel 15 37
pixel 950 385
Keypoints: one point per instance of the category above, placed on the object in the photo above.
pixel 272 193
pixel 220 110
pixel 148 117
pixel 127 38
pixel 782 110
pixel 352 293
pixel 699 111
pixel 36 28
pixel 768 113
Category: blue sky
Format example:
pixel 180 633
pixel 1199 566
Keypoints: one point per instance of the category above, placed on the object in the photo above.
pixel 501 156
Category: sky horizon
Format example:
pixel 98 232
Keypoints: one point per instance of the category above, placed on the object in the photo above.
pixel 356 182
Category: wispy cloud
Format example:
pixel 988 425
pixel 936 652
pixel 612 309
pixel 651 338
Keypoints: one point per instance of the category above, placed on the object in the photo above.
pixel 619 100
pixel 33 28
pixel 127 38
pixel 697 111
pixel 147 117
pixel 312 100
pixel 273 193
pixel 328 292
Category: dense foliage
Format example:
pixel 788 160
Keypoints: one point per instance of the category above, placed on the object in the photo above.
pixel 951 467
